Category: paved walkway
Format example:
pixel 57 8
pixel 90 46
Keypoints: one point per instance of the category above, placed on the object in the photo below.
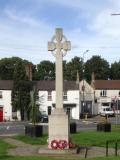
pixel 23 149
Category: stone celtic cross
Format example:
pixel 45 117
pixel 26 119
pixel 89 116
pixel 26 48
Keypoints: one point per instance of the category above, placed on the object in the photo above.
pixel 59 47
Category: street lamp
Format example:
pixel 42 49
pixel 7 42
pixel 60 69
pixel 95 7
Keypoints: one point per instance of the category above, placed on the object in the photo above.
pixel 83 86
pixel 115 14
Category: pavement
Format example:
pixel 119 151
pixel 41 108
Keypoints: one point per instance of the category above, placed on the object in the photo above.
pixel 23 149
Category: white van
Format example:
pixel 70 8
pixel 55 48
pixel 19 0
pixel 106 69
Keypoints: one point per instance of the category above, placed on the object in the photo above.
pixel 106 110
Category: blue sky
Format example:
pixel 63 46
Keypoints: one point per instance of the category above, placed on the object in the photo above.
pixel 27 25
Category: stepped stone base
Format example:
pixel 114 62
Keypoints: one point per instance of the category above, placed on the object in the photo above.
pixel 58 127
pixel 57 151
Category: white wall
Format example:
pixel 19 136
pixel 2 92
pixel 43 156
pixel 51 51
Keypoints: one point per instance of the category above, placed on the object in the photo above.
pixel 111 94
pixel 72 97
pixel 5 101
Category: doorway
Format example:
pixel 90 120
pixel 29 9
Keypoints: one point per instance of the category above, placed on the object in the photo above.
pixel 1 114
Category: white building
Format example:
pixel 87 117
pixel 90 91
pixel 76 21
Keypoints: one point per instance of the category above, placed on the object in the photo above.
pixel 93 95
pixel 76 98
pixel 71 97
pixel 107 91
pixel 5 100
pixel 47 98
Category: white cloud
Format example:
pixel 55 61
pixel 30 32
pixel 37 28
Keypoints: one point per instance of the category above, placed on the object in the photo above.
pixel 24 34
pixel 23 19
pixel 106 25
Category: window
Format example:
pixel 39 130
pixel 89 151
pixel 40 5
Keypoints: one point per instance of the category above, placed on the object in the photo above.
pixel 119 94
pixel 65 96
pixel 49 96
pixel 0 94
pixel 103 93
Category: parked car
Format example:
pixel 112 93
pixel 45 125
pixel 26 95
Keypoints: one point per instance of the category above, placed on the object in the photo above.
pixel 44 118
pixel 106 111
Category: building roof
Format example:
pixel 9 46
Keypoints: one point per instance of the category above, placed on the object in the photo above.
pixel 41 85
pixel 107 84
pixel 50 85
pixel 6 84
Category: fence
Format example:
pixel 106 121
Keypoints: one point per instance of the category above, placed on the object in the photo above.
pixel 116 146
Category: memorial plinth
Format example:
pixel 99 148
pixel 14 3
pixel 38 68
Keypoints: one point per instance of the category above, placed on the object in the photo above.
pixel 59 128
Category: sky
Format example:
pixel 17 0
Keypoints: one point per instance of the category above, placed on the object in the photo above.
pixel 26 26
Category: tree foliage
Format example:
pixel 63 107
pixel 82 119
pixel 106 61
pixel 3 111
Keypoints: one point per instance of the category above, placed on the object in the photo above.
pixel 115 70
pixel 34 105
pixel 72 67
pixel 21 90
pixel 99 66
pixel 46 70
pixel 7 66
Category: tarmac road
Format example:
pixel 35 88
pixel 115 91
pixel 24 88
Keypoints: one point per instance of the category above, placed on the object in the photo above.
pixel 12 128
pixel 18 128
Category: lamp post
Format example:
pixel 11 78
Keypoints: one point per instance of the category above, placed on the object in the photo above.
pixel 116 14
pixel 83 86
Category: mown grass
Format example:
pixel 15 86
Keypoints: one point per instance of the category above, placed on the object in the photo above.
pixel 105 158
pixel 4 147
pixel 94 138
pixel 33 140
pixel 87 138
pixel 26 158
pixel 52 158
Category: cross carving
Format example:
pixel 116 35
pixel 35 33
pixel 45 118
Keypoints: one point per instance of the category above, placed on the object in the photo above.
pixel 59 43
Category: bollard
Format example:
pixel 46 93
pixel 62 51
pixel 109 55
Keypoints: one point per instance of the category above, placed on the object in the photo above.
pixel 86 152
pixel 106 148
pixel 116 148
pixel 86 115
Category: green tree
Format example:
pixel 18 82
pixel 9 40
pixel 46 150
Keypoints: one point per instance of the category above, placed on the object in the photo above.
pixel 21 90
pixel 115 70
pixel 72 67
pixel 99 66
pixel 7 66
pixel 46 70
pixel 34 72
pixel 34 105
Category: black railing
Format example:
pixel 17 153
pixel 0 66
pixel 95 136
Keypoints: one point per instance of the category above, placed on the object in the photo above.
pixel 116 146
pixel 79 148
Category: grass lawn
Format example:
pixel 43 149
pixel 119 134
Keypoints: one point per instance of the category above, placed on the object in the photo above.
pixel 94 138
pixel 4 147
pixel 50 158
pixel 26 158
pixel 88 138
pixel 33 140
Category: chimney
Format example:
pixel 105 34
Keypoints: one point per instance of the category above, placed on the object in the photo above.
pixel 28 69
pixel 77 78
pixel 93 80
